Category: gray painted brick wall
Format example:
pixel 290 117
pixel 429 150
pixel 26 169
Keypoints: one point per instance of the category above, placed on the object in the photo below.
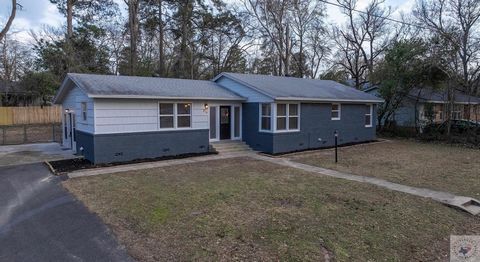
pixel 109 148
pixel 316 128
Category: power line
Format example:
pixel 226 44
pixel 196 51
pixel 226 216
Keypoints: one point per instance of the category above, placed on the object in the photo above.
pixel 378 16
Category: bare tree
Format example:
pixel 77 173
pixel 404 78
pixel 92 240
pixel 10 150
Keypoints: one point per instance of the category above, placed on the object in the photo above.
pixel 10 20
pixel 455 26
pixel 273 19
pixel 363 39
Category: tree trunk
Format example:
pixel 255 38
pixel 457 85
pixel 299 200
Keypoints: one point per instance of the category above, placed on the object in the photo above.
pixel 161 54
pixel 133 24
pixel 70 19
pixel 287 51
pixel 10 20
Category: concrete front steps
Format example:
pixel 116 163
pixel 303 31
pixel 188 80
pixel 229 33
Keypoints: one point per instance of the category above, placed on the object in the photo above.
pixel 231 146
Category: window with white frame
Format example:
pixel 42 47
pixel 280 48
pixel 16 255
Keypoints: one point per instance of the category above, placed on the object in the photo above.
pixel 175 115
pixel 184 115
pixel 167 115
pixel 287 117
pixel 368 116
pixel 281 117
pixel 293 117
pixel 336 111
pixel 84 111
pixel 265 117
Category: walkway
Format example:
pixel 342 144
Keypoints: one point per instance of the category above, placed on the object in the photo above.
pixel 147 165
pixel 467 204
pixel 32 153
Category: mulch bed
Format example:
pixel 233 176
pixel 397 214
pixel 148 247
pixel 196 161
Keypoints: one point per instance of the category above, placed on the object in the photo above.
pixel 68 165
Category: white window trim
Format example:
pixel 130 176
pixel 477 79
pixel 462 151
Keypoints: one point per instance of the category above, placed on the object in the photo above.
pixel 239 122
pixel 371 115
pixel 82 112
pixel 273 118
pixel 260 116
pixel 175 116
pixel 339 111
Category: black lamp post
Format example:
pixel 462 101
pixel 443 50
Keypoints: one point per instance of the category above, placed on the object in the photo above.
pixel 336 146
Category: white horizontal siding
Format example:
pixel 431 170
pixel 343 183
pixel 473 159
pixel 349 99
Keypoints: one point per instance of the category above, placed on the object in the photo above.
pixel 138 115
pixel 244 91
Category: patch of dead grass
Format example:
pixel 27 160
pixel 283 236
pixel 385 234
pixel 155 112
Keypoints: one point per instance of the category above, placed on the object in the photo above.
pixel 245 209
pixel 435 166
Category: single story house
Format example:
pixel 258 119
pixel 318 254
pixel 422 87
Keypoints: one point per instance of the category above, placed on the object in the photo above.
pixel 424 105
pixel 111 118
pixel 13 94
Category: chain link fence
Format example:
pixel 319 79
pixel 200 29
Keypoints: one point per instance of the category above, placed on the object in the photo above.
pixel 35 133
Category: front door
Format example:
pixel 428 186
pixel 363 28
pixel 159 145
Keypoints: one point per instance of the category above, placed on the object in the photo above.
pixel 69 130
pixel 225 122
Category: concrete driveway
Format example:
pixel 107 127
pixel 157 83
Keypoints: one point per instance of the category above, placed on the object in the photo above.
pixel 32 153
pixel 41 221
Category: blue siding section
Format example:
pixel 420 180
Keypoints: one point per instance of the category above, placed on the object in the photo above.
pixel 85 141
pixel 242 90
pixel 316 129
pixel 259 141
pixel 107 148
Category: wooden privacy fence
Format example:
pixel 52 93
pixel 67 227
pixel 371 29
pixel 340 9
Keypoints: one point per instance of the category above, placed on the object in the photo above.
pixel 11 116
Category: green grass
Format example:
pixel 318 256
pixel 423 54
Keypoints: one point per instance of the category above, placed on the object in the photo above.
pixel 245 209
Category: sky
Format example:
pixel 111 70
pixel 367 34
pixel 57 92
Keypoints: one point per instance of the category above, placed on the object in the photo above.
pixel 38 13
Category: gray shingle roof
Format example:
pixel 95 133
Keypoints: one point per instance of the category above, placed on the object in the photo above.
pixel 284 88
pixel 155 87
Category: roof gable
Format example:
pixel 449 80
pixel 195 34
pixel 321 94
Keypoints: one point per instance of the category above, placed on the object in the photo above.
pixel 291 88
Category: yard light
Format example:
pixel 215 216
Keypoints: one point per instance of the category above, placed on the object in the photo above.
pixel 336 146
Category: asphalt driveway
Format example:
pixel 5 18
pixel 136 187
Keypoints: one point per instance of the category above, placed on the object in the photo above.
pixel 41 221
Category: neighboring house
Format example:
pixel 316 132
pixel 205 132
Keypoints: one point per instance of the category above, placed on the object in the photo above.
pixel 12 94
pixel 120 118
pixel 423 106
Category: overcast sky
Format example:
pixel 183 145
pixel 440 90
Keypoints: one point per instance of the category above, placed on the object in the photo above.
pixel 36 13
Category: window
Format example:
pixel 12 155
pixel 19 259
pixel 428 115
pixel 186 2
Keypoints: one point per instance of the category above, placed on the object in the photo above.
pixel 184 115
pixel 84 111
pixel 265 117
pixel 336 111
pixel 281 116
pixel 175 115
pixel 236 123
pixel 213 122
pixel 166 115
pixel 368 116
pixel 287 117
pixel 293 116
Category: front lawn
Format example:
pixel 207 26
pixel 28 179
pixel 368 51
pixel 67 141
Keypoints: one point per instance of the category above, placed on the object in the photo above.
pixel 436 166
pixel 245 209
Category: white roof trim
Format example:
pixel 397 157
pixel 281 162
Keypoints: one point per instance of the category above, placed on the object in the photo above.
pixel 165 97
pixel 326 100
